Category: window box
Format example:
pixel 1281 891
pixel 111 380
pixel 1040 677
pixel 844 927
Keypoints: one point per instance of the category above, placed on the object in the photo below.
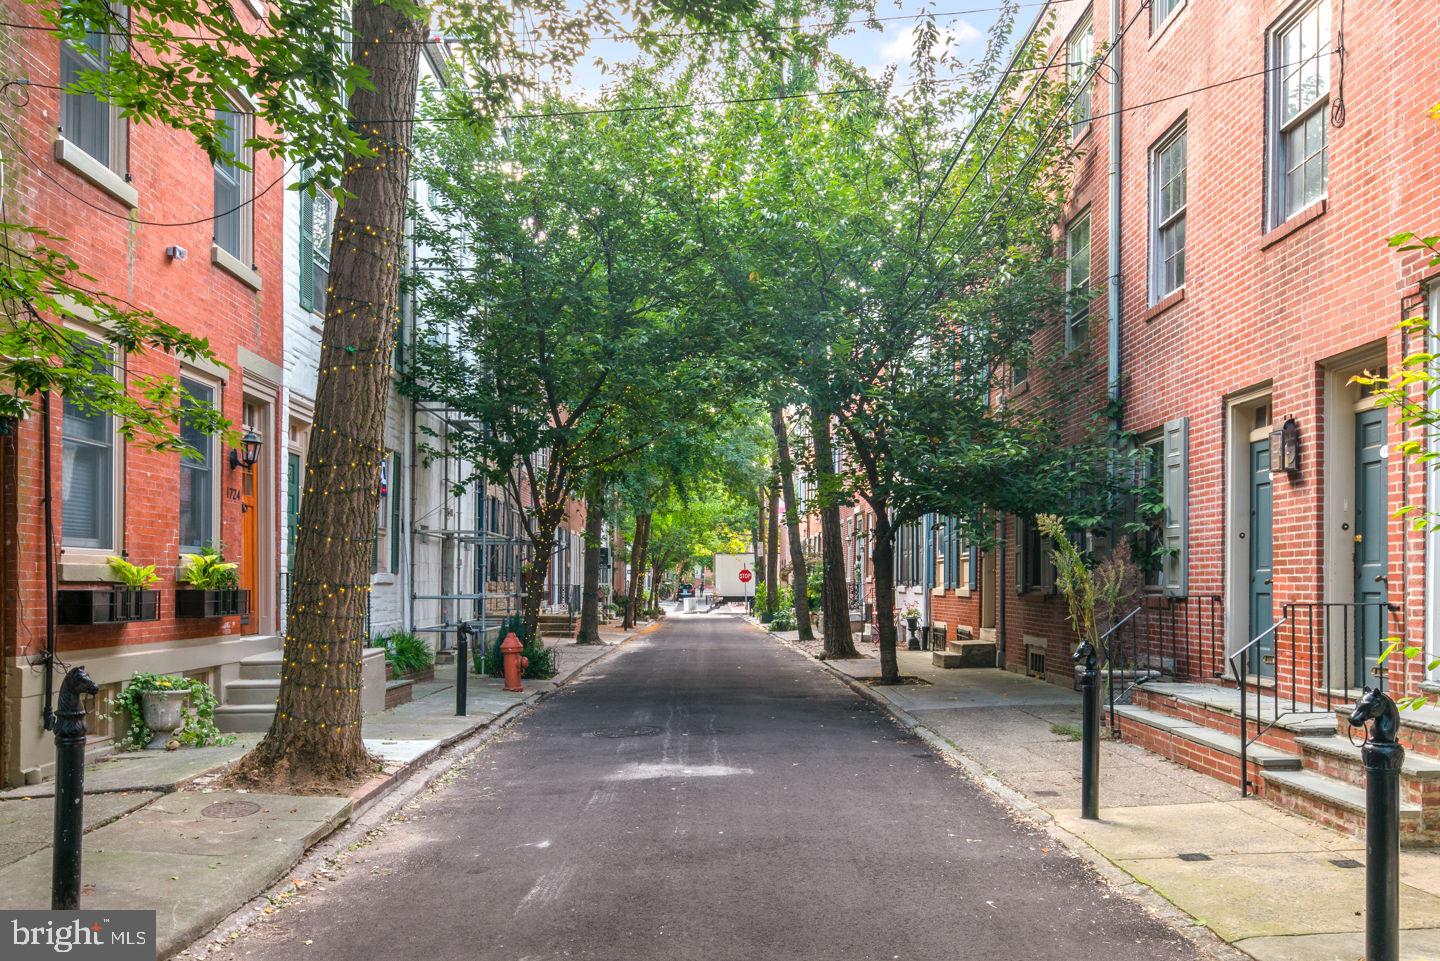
pixel 107 605
pixel 191 603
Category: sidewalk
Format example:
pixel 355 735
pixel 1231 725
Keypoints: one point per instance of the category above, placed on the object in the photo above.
pixel 1276 886
pixel 158 838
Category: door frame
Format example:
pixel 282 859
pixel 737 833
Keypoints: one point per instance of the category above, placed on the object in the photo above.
pixel 1240 411
pixel 1337 463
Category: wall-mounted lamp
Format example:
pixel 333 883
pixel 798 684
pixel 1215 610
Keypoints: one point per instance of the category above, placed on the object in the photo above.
pixel 249 451
pixel 1285 448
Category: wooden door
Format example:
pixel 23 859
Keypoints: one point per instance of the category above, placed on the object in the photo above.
pixel 1261 554
pixel 250 559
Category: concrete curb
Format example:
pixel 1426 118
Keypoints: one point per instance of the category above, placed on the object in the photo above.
pixel 368 816
pixel 1118 879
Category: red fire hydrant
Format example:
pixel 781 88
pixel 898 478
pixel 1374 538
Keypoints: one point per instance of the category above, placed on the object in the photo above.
pixel 510 649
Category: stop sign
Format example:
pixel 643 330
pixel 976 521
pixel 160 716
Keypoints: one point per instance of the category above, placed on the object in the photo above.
pixel 744 575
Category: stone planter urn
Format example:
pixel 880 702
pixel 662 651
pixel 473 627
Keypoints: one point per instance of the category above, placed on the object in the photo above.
pixel 164 712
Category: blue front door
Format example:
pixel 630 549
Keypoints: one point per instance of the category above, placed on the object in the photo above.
pixel 1261 538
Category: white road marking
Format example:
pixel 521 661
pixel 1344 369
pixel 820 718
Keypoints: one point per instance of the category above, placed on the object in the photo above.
pixel 648 771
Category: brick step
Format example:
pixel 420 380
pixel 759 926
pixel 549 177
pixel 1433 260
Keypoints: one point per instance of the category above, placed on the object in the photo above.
pixel 1336 757
pixel 398 692
pixel 1218 708
pixel 1419 729
pixel 1203 749
pixel 1339 805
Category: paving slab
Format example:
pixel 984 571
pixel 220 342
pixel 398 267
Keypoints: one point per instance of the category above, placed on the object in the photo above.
pixel 1215 828
pixel 1264 895
pixel 33 819
pixel 1415 945
pixel 162 771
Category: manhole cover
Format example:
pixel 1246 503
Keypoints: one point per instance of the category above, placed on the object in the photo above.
pixel 640 731
pixel 230 809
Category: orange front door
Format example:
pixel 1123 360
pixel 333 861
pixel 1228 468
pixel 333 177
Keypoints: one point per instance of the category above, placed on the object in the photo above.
pixel 250 522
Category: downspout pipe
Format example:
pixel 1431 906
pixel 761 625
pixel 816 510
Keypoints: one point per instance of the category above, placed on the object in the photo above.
pixel 1113 227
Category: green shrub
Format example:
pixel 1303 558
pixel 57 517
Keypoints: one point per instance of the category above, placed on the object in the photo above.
pixel 784 620
pixel 198 727
pixel 406 653
pixel 544 661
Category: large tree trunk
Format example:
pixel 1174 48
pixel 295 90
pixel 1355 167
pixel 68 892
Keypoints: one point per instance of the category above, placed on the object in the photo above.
pixel 315 736
pixel 590 592
pixel 772 548
pixel 834 599
pixel 882 560
pixel 799 578
pixel 637 569
pixel 762 571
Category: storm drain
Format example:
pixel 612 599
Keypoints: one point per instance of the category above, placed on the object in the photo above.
pixel 1194 856
pixel 640 731
pixel 230 809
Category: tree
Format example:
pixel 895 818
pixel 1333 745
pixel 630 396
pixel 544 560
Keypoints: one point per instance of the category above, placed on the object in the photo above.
pixel 799 576
pixel 834 598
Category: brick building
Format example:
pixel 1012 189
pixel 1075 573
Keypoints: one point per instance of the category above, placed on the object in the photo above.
pixel 154 221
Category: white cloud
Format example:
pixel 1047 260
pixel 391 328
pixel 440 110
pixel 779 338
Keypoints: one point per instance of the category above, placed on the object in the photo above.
pixel 901 47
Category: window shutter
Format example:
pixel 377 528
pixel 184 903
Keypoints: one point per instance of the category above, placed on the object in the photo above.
pixel 929 550
pixel 307 247
pixel 395 511
pixel 1022 563
pixel 1177 470
pixel 949 553
pixel 974 584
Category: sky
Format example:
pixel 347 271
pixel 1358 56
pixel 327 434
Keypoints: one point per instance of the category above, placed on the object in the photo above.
pixel 964 22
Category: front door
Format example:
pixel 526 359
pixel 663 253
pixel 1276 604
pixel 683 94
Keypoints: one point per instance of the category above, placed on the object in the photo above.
pixel 1371 544
pixel 249 571
pixel 1262 565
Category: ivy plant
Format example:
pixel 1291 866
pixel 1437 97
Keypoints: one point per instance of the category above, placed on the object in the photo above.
pixel 197 729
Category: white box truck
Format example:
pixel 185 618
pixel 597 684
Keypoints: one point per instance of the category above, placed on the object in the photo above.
pixel 728 582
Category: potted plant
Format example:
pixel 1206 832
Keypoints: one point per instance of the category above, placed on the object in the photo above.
pixel 131 599
pixel 166 709
pixel 214 587
pixel 912 620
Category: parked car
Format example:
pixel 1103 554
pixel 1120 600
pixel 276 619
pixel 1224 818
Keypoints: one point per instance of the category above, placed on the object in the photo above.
pixel 686 590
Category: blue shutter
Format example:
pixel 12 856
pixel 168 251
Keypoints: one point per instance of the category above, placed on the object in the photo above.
pixel 974 584
pixel 307 246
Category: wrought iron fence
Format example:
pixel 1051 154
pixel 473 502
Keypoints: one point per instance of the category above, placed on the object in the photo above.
pixel 1175 638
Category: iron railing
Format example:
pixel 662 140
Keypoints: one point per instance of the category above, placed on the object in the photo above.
pixel 1315 657
pixel 1174 638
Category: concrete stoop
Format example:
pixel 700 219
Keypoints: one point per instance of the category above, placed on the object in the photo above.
pixel 1303 764
pixel 247 704
pixel 965 654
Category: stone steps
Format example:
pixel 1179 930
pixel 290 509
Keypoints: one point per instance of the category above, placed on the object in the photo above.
pixel 1200 748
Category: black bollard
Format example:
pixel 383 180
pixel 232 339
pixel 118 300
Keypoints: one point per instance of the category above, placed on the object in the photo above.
pixel 1089 732
pixel 1383 757
pixel 462 670
pixel 69 790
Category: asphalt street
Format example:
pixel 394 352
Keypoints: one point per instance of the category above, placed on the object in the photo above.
pixel 707 794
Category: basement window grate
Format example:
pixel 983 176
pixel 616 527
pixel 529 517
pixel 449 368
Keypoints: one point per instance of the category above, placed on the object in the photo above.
pixel 1347 863
pixel 1035 662
pixel 1194 856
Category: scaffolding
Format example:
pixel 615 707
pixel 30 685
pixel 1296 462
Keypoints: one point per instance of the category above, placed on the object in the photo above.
pixel 482 545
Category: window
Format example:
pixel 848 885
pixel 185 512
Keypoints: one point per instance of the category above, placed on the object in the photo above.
pixel 1299 82
pixel 317 220
pixel 197 474
pixel 1077 281
pixel 1019 370
pixel 1032 557
pixel 88 468
pixel 1167 215
pixel 85 120
pixel 1079 51
pixel 232 185
pixel 1160 11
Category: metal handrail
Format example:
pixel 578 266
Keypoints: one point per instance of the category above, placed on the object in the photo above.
pixel 1104 645
pixel 1239 666
pixel 1177 636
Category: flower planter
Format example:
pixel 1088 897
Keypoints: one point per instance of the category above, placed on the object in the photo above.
pixel 164 712
pixel 196 603
pixel 106 605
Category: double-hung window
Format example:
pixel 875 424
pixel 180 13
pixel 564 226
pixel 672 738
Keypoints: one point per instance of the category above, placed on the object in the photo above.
pixel 197 473
pixel 85 120
pixel 1079 51
pixel 1167 215
pixel 317 219
pixel 87 501
pixel 233 185
pixel 1077 281
pixel 1299 93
